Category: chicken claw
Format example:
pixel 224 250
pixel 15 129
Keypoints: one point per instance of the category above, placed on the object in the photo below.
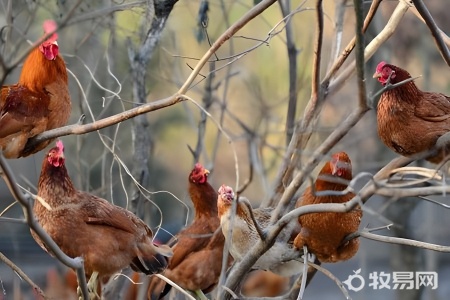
pixel 92 288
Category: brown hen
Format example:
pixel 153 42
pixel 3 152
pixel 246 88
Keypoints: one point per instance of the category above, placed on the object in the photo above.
pixel 108 237
pixel 40 101
pixel 197 253
pixel 264 284
pixel 411 121
pixel 324 233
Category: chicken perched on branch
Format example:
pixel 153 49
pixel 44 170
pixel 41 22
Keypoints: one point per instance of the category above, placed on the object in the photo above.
pixel 108 237
pixel 264 284
pixel 40 101
pixel 411 121
pixel 324 233
pixel 248 225
pixel 197 253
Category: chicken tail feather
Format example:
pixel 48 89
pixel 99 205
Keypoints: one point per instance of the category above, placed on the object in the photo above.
pixel 151 265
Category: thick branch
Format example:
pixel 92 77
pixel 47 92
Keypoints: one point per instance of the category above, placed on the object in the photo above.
pixel 102 123
pixel 359 53
pixel 285 6
pixel 157 14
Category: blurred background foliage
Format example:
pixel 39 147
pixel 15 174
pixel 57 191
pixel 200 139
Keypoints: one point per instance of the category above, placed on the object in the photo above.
pixel 250 95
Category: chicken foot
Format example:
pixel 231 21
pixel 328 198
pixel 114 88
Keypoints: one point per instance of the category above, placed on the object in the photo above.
pixel 200 295
pixel 92 288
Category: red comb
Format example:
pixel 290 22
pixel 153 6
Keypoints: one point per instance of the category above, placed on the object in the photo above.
pixel 60 145
pixel 50 26
pixel 224 189
pixel 380 66
pixel 341 156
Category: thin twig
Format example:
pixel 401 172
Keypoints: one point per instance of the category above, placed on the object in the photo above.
pixel 173 284
pixel 61 25
pixel 315 85
pixel 435 31
pixel 291 158
pixel 247 17
pixel 444 36
pixel 400 241
pixel 351 45
pixel 379 40
pixel 22 275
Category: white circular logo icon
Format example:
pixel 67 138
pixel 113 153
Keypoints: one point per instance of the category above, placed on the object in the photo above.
pixel 356 276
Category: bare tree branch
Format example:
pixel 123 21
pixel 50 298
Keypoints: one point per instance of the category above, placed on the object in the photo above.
pixel 435 31
pixel 156 16
pixel 247 17
pixel 359 54
pixel 285 6
pixel 400 241
pixel 292 156
pixel 444 36
pixel 105 122
pixel 348 50
pixel 379 40
pixel 22 275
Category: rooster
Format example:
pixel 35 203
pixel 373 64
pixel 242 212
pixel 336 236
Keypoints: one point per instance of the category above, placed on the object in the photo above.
pixel 248 227
pixel 411 121
pixel 40 101
pixel 108 237
pixel 197 253
pixel 324 233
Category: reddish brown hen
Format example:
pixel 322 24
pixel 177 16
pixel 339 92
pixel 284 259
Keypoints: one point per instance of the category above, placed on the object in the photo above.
pixel 323 233
pixel 411 121
pixel 247 231
pixel 197 253
pixel 108 237
pixel 264 284
pixel 40 101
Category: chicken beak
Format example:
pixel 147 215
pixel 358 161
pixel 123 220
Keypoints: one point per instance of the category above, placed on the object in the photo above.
pixel 339 167
pixel 206 172
pixel 377 75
